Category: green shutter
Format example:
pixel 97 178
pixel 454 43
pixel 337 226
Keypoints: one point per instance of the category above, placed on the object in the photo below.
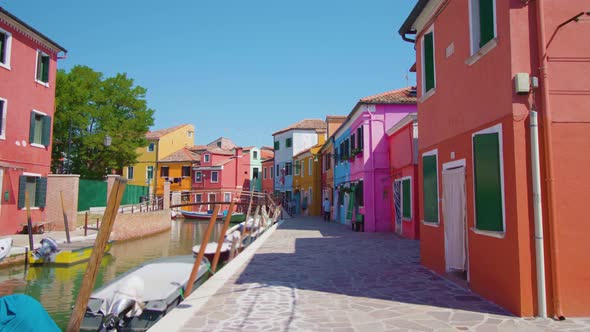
pixel 488 186
pixel 430 188
pixel 45 69
pixel 1 115
pixel 486 21
pixel 32 128
pixel 45 139
pixel 40 192
pixel 22 189
pixel 429 61
pixel 277 145
pixel 39 66
pixel 407 199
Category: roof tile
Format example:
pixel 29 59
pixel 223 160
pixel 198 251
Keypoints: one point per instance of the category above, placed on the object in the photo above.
pixel 405 95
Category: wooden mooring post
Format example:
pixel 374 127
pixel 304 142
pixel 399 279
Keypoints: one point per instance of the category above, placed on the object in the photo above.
pixel 222 236
pixel 63 209
pixel 194 272
pixel 104 233
pixel 29 221
pixel 86 223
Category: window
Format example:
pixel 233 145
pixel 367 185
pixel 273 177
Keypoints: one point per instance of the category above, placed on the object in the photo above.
pixel 255 155
pixel 164 171
pixel 264 171
pixel 40 129
pixel 198 176
pixel 278 170
pixel 255 173
pixel 214 177
pixel 36 188
pixel 219 144
pixel 359 191
pixel 186 171
pixel 42 68
pixel 303 168
pixel 198 198
pixel 289 142
pixel 487 169
pixel 207 158
pixel 227 197
pixel 277 145
pixel 150 172
pixel 2 118
pixel 271 172
pixel 430 186
pixel 130 173
pixel 341 153
pixel 483 23
pixel 288 169
pixel 297 167
pixel 151 147
pixel 310 165
pixel 407 198
pixel 347 147
pixel 359 137
pixel 428 68
pixel 352 142
pixel 5 46
pixel 212 198
pixel 190 133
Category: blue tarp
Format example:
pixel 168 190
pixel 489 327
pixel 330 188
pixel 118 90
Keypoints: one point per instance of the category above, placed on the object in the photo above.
pixel 23 313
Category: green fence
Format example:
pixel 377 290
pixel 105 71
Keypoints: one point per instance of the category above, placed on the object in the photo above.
pixel 93 193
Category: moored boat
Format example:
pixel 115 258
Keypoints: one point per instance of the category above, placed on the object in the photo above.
pixel 235 217
pixel 137 299
pixel 5 246
pixel 51 252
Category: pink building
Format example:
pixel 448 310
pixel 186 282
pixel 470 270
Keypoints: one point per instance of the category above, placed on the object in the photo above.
pixel 362 152
pixel 28 63
pixel 402 141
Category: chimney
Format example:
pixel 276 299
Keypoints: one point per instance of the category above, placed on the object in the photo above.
pixel 334 122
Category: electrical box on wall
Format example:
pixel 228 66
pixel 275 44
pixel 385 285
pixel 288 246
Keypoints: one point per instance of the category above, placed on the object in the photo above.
pixel 522 83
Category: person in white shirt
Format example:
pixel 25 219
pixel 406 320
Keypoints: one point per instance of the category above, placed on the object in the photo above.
pixel 326 209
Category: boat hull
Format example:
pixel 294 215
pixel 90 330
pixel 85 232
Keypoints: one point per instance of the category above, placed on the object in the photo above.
pixel 71 254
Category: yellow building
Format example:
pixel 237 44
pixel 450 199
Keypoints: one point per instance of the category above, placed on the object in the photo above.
pixel 176 169
pixel 307 178
pixel 161 143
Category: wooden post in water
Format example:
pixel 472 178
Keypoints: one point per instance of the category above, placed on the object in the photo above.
pixel 104 232
pixel 86 223
pixel 208 231
pixel 222 236
pixel 29 221
pixel 63 209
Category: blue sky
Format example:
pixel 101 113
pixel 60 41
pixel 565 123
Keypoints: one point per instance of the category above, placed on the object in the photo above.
pixel 235 68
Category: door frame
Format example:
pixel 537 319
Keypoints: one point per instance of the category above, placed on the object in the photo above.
pixel 449 166
pixel 395 212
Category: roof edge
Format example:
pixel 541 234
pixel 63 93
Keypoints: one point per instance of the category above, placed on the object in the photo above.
pixel 33 30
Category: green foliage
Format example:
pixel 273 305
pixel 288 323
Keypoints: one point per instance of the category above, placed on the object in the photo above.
pixel 89 107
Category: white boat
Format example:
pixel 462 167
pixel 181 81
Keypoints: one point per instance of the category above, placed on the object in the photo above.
pixel 5 246
pixel 137 299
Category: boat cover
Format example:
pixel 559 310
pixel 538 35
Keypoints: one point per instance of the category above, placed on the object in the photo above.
pixel 212 248
pixel 19 312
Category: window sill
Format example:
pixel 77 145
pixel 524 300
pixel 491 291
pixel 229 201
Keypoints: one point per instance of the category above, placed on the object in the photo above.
pixel 499 235
pixel 430 223
pixel 5 66
pixel 482 51
pixel 31 208
pixel 36 145
pixel 427 95
pixel 3 137
pixel 42 83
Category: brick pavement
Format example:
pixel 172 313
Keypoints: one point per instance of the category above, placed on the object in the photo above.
pixel 316 276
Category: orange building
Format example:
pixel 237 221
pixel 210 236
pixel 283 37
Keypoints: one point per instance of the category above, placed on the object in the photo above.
pixel 479 205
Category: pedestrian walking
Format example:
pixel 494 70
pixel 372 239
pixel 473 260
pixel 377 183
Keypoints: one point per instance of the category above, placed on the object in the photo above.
pixel 326 209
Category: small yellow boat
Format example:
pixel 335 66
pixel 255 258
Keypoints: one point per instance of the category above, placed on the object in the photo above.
pixel 65 253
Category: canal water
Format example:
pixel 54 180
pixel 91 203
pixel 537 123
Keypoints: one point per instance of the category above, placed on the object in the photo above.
pixel 57 287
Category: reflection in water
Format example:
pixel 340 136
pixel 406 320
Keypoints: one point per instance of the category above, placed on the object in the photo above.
pixel 57 287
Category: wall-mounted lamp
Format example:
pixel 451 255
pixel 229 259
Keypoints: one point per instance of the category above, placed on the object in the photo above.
pixel 107 141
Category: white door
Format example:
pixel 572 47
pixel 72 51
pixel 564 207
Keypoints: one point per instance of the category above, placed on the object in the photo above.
pixel 453 182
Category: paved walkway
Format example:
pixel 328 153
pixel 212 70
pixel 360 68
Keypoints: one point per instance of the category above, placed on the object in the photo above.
pixel 315 276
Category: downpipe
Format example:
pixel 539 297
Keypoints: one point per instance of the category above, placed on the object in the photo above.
pixel 538 216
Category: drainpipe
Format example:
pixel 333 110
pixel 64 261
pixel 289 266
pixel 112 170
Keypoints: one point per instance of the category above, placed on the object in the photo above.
pixel 548 139
pixel 538 215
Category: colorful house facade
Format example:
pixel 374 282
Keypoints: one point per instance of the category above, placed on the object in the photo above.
pixel 307 182
pixel 176 169
pixel 290 141
pixel 28 64
pixel 255 168
pixel 333 122
pixel 361 174
pixel 402 140
pixel 161 143
pixel 492 198
pixel 268 166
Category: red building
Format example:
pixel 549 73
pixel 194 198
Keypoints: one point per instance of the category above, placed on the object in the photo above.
pixel 503 200
pixel 402 140
pixel 28 62
pixel 268 175
pixel 221 175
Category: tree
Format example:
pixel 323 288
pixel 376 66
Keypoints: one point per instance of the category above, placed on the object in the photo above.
pixel 88 108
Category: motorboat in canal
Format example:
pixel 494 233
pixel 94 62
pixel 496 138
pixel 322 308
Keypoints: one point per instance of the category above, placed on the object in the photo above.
pixel 51 252
pixel 5 246
pixel 137 299
pixel 235 217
